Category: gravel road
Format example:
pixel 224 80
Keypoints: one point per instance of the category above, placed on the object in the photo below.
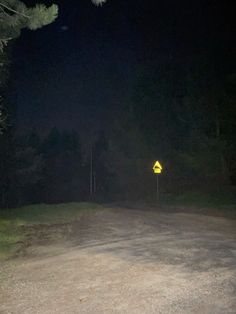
pixel 128 261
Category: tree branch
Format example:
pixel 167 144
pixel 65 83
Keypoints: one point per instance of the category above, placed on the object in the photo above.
pixel 12 10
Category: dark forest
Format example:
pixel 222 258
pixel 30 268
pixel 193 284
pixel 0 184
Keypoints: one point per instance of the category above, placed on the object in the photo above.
pixel 159 83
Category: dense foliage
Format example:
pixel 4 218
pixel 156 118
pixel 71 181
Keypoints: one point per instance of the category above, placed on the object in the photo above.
pixel 183 116
pixel 50 169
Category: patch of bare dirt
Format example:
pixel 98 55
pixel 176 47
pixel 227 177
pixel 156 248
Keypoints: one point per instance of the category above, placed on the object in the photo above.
pixel 127 261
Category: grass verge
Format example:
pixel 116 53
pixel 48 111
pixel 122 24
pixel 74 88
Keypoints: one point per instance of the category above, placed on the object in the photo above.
pixel 12 221
pixel 222 202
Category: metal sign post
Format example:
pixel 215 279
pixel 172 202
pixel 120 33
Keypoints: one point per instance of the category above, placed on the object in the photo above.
pixel 157 191
pixel 157 169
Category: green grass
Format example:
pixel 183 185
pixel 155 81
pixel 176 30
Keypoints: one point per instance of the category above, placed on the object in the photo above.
pixel 9 237
pixel 11 220
pixel 44 213
pixel 221 201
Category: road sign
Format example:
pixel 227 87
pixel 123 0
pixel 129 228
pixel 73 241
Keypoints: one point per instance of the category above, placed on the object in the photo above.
pixel 157 168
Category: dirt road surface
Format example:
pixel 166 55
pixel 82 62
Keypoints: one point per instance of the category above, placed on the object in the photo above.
pixel 128 261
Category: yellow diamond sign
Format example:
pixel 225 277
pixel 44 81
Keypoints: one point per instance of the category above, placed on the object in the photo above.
pixel 157 168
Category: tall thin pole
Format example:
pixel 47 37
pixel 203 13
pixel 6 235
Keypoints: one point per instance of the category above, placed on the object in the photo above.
pixel 91 172
pixel 157 191
pixel 94 183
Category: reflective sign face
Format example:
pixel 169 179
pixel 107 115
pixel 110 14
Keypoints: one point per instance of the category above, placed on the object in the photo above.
pixel 157 168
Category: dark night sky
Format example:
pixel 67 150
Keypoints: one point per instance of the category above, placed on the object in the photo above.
pixel 79 76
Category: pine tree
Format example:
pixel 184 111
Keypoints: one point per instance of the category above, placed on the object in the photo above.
pixel 15 16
